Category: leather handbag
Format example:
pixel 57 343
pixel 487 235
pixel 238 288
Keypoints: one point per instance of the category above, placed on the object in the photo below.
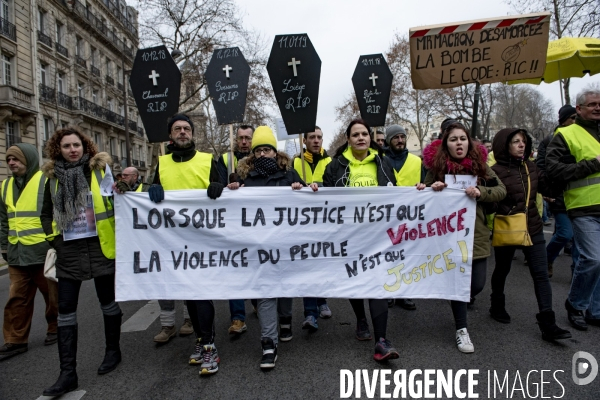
pixel 511 230
pixel 49 267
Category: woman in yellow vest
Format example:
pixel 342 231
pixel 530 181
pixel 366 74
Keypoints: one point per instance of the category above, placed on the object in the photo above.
pixel 74 175
pixel 358 162
pixel 457 154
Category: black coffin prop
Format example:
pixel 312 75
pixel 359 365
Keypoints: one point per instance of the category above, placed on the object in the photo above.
pixel 372 81
pixel 156 83
pixel 294 68
pixel 227 77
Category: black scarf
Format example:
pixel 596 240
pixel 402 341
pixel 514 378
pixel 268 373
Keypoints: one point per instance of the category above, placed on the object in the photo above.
pixel 73 188
pixel 266 166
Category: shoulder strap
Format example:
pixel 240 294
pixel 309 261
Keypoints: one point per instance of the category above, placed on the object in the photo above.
pixel 528 187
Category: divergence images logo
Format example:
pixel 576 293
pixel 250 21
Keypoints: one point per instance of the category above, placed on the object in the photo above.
pixel 581 364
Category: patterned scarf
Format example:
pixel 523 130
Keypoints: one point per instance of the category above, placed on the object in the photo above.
pixel 266 166
pixel 308 156
pixel 72 191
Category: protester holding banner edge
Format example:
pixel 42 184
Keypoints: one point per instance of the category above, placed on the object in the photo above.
pixel 186 168
pixel 266 166
pixel 511 148
pixel 358 162
pixel 457 154
pixel 75 169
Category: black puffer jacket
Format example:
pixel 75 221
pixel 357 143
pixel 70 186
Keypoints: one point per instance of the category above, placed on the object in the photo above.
pixel 513 175
pixel 285 176
pixel 79 259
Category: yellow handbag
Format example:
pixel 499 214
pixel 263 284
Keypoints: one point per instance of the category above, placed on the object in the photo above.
pixel 511 230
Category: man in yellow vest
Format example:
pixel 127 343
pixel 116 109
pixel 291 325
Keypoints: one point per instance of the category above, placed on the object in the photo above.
pixel 315 162
pixel 186 168
pixel 409 172
pixel 24 247
pixel 243 141
pixel 130 181
pixel 573 158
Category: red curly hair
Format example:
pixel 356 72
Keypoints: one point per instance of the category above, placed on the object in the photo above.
pixel 53 146
pixel 438 160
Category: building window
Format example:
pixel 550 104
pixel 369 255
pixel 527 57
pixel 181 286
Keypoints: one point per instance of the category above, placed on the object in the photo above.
pixel 6 70
pixel 5 11
pixel 109 101
pixel 119 75
pixel 42 20
pixel 98 140
pixel 43 74
pixel 60 82
pixel 121 110
pixel 108 67
pixel 59 33
pixel 123 150
pixel 95 97
pixel 94 56
pixel 79 47
pixel 12 137
pixel 47 128
pixel 80 90
pixel 113 146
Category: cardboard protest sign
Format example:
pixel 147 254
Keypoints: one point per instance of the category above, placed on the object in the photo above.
pixel 227 76
pixel 376 242
pixel 156 83
pixel 484 51
pixel 372 81
pixel 294 69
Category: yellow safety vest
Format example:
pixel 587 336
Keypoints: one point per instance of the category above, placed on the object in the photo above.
pixel 192 174
pixel 410 173
pixel 583 146
pixel 24 223
pixel 139 188
pixel 226 160
pixel 311 177
pixel 103 210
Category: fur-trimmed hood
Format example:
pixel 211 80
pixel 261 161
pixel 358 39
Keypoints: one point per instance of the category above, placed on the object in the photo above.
pixel 246 164
pixel 429 153
pixel 98 162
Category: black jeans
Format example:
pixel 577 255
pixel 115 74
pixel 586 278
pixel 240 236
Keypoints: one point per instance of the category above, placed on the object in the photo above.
pixel 538 268
pixel 459 308
pixel 379 314
pixel 202 314
pixel 68 292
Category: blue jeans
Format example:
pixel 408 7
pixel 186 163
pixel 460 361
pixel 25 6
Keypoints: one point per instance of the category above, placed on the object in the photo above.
pixel 237 309
pixel 562 235
pixel 585 286
pixel 311 307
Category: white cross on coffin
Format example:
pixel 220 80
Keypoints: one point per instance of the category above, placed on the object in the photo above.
pixel 293 64
pixel 373 77
pixel 153 76
pixel 227 69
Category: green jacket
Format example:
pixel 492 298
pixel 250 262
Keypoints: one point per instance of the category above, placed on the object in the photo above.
pixel 21 255
pixel 492 191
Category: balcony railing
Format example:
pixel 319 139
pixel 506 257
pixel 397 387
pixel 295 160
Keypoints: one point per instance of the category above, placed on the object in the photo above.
pixel 62 50
pixel 45 39
pixel 115 159
pixel 7 29
pixel 110 80
pixel 133 125
pixel 143 164
pixel 122 18
pixel 65 101
pixel 95 71
pixel 140 131
pixel 81 62
pixel 136 163
pixel 47 94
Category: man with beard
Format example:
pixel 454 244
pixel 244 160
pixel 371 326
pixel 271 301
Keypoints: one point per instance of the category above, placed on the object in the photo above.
pixel 409 172
pixel 186 168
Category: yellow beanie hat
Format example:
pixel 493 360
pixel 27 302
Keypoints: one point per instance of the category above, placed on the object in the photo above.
pixel 263 136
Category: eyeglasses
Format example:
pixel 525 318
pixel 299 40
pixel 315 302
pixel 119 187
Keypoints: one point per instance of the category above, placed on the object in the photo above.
pixel 591 105
pixel 186 129
pixel 264 150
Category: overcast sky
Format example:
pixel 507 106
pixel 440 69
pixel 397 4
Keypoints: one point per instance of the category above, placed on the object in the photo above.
pixel 342 30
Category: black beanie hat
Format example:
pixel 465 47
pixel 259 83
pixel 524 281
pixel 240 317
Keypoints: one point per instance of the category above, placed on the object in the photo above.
pixel 180 117
pixel 446 123
pixel 565 112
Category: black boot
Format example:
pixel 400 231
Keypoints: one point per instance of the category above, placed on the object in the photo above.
pixel 497 310
pixel 112 333
pixel 67 353
pixel 550 331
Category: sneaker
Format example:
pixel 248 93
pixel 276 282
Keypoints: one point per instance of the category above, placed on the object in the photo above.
pixel 407 304
pixel 187 328
pixel 210 359
pixel 324 311
pixel 463 341
pixel 362 330
pixel 51 338
pixel 269 354
pixel 196 357
pixel 310 323
pixel 237 327
pixel 285 329
pixel 165 334
pixel 385 351
pixel 12 349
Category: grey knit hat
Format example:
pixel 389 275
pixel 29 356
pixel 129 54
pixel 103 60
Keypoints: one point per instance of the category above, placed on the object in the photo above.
pixel 392 131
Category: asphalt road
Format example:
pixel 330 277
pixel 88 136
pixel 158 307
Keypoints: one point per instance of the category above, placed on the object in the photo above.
pixel 309 366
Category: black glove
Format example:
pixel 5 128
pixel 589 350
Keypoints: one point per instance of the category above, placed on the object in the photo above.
pixel 122 186
pixel 5 256
pixel 215 189
pixel 156 193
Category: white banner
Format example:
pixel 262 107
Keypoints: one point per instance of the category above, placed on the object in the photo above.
pixel 381 242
